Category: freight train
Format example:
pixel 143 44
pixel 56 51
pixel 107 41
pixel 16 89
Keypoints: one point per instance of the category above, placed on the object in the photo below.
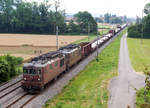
pixel 41 70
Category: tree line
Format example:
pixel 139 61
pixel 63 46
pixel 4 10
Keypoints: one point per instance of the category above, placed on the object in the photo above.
pixel 9 67
pixel 112 19
pixel 142 26
pixel 18 16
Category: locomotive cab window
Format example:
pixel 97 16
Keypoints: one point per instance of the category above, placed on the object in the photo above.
pixel 39 71
pixel 25 71
pixel 32 71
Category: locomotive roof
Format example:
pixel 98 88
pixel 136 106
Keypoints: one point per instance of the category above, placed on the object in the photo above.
pixel 44 59
pixel 69 48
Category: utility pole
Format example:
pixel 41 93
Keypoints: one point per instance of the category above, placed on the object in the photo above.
pixel 102 27
pixel 57 5
pixel 142 27
pixel 88 31
pixel 97 46
pixel 57 37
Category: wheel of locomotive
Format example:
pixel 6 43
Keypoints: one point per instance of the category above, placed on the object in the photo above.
pixel 24 88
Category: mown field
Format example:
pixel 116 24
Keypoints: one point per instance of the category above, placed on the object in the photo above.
pixel 104 26
pixel 139 53
pixel 89 88
pixel 92 37
pixel 36 40
pixel 25 52
pixel 27 46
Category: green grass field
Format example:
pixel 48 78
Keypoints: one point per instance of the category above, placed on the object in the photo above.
pixel 91 37
pixel 89 88
pixel 139 53
pixel 104 31
pixel 104 26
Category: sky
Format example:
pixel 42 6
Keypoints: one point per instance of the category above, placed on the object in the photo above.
pixel 130 8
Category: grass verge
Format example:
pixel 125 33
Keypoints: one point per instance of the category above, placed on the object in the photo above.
pixel 143 95
pixel 139 53
pixel 140 99
pixel 104 31
pixel 89 88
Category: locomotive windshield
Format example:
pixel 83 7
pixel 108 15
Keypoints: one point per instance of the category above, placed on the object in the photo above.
pixel 31 71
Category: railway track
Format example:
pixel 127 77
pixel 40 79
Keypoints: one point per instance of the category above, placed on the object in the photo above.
pixel 21 101
pixel 9 91
pixel 13 97
pixel 9 85
pixel 12 80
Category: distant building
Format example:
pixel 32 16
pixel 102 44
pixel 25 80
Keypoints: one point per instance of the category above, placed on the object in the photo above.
pixel 69 17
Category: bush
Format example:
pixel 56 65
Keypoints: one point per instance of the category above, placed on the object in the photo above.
pixel 4 70
pixel 9 67
pixel 136 30
pixel 133 31
pixel 143 95
pixel 19 60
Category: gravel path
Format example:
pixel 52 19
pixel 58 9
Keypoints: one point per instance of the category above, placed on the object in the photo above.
pixel 122 88
pixel 57 87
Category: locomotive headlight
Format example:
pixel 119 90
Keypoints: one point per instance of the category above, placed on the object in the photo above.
pixel 24 78
pixel 38 79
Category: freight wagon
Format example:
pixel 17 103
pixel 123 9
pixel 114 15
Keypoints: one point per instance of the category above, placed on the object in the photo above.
pixel 86 48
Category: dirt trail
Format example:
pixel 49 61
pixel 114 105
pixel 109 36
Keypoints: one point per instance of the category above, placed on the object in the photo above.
pixel 122 88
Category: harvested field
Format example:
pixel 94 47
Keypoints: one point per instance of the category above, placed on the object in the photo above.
pixel 36 40
pixel 25 52
pixel 29 50
pixel 27 46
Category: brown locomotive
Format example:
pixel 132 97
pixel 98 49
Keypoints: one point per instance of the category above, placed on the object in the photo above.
pixel 72 54
pixel 42 70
